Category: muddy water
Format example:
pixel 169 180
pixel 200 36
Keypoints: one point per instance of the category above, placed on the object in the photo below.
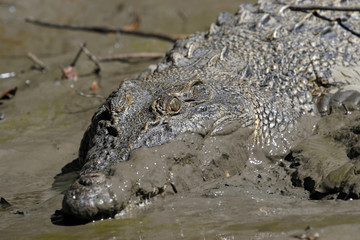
pixel 45 121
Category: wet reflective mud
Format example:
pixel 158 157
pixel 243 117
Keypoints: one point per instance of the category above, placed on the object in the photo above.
pixel 44 123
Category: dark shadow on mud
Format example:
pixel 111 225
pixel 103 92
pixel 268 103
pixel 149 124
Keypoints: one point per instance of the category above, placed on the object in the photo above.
pixel 58 218
pixel 62 181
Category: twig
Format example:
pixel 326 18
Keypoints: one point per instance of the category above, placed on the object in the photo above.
pixel 73 63
pixel 103 30
pixel 89 95
pixel 91 57
pixel 339 21
pixel 127 56
pixel 37 61
pixel 69 71
pixel 326 8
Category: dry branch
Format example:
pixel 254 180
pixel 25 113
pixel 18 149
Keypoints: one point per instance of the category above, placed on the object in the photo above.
pixel 326 8
pixel 128 56
pixel 103 30
pixel 340 21
pixel 91 57
pixel 37 61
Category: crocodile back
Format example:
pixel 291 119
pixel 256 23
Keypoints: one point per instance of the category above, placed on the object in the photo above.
pixel 278 59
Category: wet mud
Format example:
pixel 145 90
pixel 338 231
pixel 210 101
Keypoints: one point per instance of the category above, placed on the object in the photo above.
pixel 216 188
pixel 327 163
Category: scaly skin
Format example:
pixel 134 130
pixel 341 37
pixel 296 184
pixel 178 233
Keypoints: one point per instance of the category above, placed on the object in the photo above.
pixel 263 67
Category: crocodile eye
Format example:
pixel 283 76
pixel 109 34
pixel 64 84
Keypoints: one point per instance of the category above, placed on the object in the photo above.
pixel 174 105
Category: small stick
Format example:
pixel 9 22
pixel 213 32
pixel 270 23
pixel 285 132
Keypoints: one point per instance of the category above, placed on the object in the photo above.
pixel 73 63
pixel 88 95
pixel 91 57
pixel 127 56
pixel 37 61
pixel 326 8
pixel 339 21
pixel 103 30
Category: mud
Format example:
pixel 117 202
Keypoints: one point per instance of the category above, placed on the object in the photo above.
pixel 45 121
pixel 327 163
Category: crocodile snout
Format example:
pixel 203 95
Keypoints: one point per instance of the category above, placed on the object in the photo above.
pixel 90 197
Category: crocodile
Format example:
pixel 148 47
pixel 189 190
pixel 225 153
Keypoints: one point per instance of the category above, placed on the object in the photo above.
pixel 262 68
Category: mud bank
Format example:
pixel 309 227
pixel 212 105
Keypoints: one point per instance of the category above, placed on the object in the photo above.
pixel 45 121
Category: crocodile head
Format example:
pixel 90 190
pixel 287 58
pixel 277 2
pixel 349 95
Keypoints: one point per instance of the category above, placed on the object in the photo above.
pixel 148 113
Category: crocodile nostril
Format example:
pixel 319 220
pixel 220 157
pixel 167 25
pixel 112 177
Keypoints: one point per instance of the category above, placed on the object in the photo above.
pixel 102 114
pixel 92 179
pixel 113 131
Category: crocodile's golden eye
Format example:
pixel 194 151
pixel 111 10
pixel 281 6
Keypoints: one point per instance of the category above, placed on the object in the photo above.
pixel 174 105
